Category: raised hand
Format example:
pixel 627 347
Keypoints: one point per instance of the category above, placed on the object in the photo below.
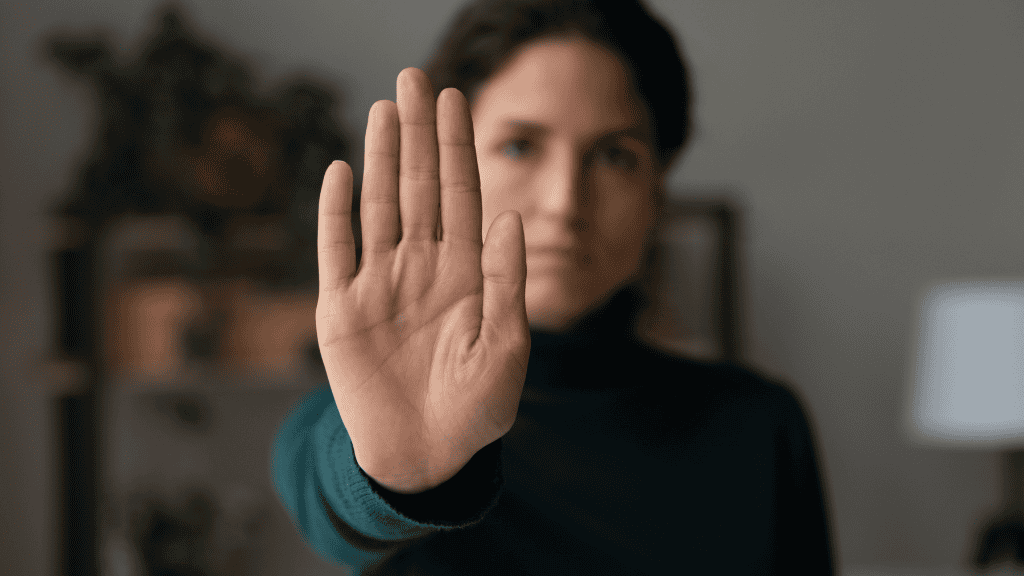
pixel 426 344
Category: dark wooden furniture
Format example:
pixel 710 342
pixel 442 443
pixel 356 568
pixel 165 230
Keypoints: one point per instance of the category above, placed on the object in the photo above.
pixel 189 152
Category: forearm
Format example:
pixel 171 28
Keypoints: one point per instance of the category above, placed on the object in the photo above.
pixel 347 516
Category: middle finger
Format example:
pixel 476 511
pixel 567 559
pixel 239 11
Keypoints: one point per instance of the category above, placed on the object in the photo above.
pixel 419 183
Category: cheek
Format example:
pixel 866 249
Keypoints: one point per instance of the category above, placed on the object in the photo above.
pixel 498 187
pixel 625 222
pixel 490 190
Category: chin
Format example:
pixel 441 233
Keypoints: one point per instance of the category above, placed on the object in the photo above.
pixel 552 304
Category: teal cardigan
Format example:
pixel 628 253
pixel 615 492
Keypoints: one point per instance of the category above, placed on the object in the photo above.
pixel 622 460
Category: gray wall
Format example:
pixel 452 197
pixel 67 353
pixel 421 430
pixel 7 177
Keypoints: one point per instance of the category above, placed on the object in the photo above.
pixel 875 146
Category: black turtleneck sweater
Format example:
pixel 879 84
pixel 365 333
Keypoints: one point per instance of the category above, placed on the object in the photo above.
pixel 622 460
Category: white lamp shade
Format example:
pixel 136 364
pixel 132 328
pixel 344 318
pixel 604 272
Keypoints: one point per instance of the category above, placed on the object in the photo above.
pixel 967 378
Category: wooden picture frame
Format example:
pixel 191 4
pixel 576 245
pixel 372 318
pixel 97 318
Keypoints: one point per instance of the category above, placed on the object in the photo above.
pixel 693 285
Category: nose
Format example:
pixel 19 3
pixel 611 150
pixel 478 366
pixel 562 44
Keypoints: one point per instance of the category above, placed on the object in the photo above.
pixel 566 191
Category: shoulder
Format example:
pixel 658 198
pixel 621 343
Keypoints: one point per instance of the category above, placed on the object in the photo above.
pixel 668 380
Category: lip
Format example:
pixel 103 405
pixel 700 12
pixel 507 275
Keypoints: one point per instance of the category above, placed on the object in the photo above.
pixel 562 249
pixel 550 252
pixel 563 256
pixel 551 258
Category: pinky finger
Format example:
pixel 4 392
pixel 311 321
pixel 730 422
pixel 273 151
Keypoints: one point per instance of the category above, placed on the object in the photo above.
pixel 336 250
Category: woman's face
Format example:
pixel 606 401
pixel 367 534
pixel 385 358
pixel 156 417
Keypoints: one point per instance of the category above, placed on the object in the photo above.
pixel 562 139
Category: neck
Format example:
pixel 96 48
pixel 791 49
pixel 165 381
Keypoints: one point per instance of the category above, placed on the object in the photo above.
pixel 610 321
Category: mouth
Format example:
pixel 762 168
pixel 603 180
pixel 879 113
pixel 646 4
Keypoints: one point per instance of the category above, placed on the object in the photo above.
pixel 552 259
pixel 560 249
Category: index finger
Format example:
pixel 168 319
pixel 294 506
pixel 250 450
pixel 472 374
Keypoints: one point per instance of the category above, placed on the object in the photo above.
pixel 336 254
pixel 461 210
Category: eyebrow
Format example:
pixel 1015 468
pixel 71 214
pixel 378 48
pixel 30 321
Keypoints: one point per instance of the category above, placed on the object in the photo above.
pixel 636 132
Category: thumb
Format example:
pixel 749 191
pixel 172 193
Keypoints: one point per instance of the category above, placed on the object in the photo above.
pixel 503 263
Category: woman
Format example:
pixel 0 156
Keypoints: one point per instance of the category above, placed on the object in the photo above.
pixel 480 419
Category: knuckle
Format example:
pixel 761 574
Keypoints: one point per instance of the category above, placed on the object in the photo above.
pixel 460 186
pixel 378 246
pixel 382 153
pixel 452 137
pixel 421 172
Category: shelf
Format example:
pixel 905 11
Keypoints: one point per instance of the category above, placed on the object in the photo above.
pixel 68 377
pixel 196 377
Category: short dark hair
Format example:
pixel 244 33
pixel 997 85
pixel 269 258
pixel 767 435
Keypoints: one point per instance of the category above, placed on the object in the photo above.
pixel 486 34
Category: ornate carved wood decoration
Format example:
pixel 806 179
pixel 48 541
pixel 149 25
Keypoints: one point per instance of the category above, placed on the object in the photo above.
pixel 184 131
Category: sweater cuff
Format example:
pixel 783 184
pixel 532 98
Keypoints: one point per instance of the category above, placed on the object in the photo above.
pixel 378 513
pixel 462 500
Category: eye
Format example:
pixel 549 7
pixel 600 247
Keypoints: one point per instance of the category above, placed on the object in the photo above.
pixel 618 157
pixel 518 148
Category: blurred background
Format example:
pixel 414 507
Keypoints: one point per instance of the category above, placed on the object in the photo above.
pixel 872 149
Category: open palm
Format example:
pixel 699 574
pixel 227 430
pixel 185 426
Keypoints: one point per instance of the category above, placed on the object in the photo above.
pixel 426 344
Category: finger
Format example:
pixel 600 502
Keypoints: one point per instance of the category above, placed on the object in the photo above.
pixel 503 265
pixel 418 177
pixel 461 211
pixel 336 247
pixel 378 208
